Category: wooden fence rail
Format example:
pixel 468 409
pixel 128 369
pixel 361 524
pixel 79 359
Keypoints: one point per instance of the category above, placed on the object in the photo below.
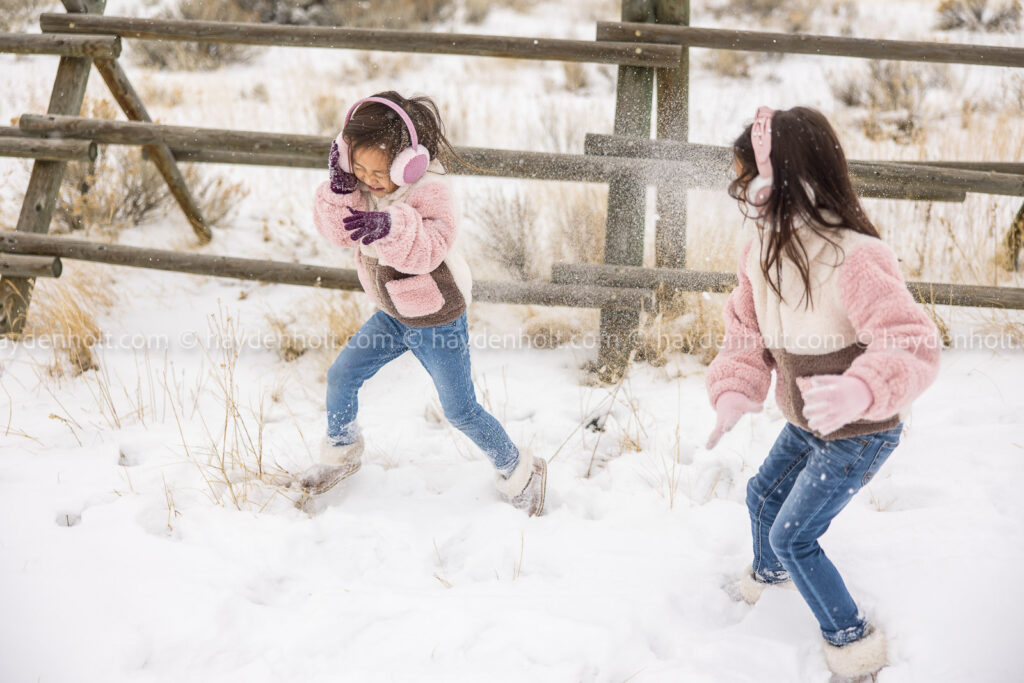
pixel 629 52
pixel 44 148
pixel 835 46
pixel 17 265
pixel 536 293
pixel 188 143
pixel 66 46
pixel 704 281
pixel 889 174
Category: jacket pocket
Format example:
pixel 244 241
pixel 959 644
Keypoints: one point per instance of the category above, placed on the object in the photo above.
pixel 416 296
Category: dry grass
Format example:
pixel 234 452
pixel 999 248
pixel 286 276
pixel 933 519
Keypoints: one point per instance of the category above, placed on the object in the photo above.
pixel 729 63
pixel 997 16
pixel 546 328
pixel 64 313
pixel 18 15
pixel 510 234
pixel 206 56
pixel 579 224
pixel 122 189
pixel 894 95
pixel 217 197
pixel 794 17
pixel 378 14
pixel 684 322
pixel 161 94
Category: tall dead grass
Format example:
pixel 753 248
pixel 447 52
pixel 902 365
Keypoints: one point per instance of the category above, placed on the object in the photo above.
pixel 65 313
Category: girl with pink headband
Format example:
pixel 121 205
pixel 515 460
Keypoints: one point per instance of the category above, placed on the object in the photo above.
pixel 387 199
pixel 820 301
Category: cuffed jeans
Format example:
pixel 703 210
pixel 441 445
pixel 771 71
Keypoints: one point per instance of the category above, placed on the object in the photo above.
pixel 443 351
pixel 801 486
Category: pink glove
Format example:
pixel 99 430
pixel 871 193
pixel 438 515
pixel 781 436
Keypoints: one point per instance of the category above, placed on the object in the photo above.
pixel 731 406
pixel 833 401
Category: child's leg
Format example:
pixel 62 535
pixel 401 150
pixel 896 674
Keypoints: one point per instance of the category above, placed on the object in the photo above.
pixel 835 471
pixel 767 491
pixel 379 341
pixel 444 352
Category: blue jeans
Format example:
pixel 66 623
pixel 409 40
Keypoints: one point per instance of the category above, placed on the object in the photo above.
pixel 444 351
pixel 801 486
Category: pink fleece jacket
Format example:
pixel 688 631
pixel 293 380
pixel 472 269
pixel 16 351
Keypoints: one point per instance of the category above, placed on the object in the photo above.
pixel 863 323
pixel 405 272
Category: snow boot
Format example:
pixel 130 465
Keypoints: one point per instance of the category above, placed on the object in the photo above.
pixel 749 588
pixel 336 463
pixel 526 485
pixel 857 661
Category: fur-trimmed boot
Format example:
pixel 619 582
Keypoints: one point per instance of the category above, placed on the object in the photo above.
pixel 749 588
pixel 859 660
pixel 336 463
pixel 526 485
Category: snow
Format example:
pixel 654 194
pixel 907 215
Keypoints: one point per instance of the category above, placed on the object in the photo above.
pixel 126 556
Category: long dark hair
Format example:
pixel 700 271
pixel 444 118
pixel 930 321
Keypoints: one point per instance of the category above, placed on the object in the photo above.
pixel 806 154
pixel 376 125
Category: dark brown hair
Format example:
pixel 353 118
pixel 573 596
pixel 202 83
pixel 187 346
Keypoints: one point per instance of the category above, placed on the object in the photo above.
pixel 806 154
pixel 376 125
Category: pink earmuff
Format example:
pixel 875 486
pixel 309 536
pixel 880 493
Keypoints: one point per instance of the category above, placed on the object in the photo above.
pixel 408 166
pixel 761 140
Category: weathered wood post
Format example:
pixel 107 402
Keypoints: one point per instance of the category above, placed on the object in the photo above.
pixel 673 124
pixel 624 231
pixel 1014 241
pixel 44 183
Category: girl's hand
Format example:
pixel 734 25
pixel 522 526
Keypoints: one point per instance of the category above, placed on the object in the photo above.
pixel 731 406
pixel 833 401
pixel 341 182
pixel 368 226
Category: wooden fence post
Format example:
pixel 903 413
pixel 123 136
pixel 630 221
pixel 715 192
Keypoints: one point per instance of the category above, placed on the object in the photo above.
pixel 1014 241
pixel 673 124
pixel 44 183
pixel 627 201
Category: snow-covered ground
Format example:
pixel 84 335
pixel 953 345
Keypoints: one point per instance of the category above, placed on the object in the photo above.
pixel 145 534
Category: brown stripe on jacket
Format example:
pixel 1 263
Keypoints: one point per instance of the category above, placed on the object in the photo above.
pixel 791 366
pixel 454 304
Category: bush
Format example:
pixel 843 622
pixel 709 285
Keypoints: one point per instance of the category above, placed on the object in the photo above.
pixel 122 189
pixel 979 15
pixel 176 55
pixel 510 234
pixel 18 14
pixel 350 13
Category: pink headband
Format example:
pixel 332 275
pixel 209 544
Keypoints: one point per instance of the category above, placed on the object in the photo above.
pixel 761 139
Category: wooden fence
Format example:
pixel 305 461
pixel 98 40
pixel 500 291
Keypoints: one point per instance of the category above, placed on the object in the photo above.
pixel 651 48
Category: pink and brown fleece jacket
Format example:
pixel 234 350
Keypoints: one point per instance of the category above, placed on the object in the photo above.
pixel 414 273
pixel 862 322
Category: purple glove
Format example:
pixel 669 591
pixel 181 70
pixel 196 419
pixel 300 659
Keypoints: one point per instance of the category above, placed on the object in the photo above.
pixel 833 401
pixel 731 406
pixel 341 182
pixel 368 226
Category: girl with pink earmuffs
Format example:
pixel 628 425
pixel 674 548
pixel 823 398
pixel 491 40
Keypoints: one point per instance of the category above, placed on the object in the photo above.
pixel 388 200
pixel 820 301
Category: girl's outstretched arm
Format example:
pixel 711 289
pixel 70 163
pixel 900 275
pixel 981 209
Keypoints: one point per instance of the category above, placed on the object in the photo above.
pixel 903 346
pixel 330 209
pixel 743 364
pixel 422 229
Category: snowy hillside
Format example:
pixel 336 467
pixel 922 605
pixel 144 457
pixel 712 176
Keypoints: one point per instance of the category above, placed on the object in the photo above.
pixel 146 529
